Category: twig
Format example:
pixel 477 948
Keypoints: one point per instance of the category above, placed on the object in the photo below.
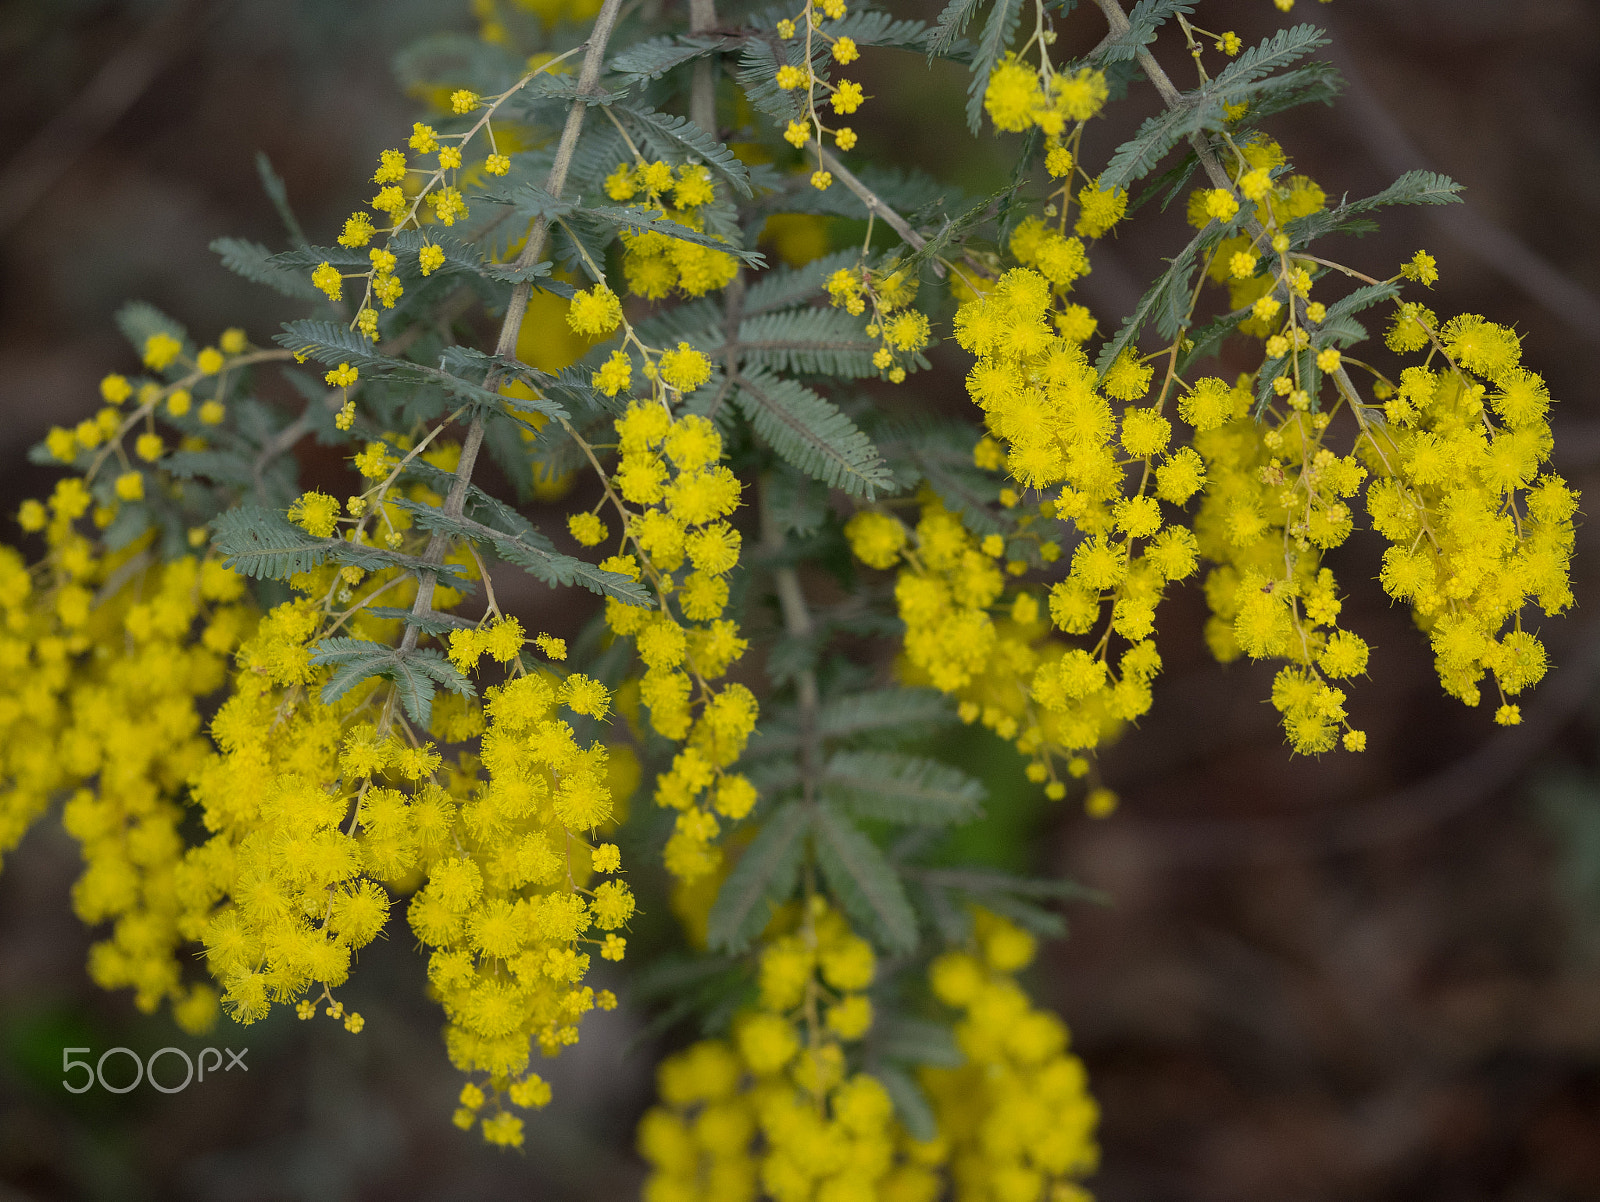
pixel 516 308
pixel 1170 96
pixel 875 203
pixel 703 89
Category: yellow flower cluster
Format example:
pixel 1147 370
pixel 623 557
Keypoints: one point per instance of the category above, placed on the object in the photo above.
pixel 774 1111
pixel 901 331
pixel 669 469
pixel 102 698
pixel 1038 393
pixel 1276 498
pixel 654 263
pixel 1016 1120
pixel 1018 97
pixel 1479 529
pixel 844 97
pixel 322 813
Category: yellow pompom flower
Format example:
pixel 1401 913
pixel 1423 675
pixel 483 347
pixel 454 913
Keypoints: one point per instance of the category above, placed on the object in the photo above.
pixel 161 349
pixel 685 368
pixel 595 312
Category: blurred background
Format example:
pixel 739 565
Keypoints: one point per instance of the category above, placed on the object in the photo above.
pixel 1362 977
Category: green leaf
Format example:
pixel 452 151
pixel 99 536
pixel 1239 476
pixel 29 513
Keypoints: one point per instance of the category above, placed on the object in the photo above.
pixel 551 567
pixel 763 53
pixel 901 788
pixel 1147 16
pixel 955 228
pixel 916 1041
pixel 262 543
pixel 416 674
pixel 910 1103
pixel 1362 298
pixel 278 193
pixel 1200 111
pixel 997 34
pixel 654 57
pixel 763 878
pixel 430 623
pixel 782 286
pixel 1138 156
pixel 1413 188
pixel 826 342
pixel 874 27
pixel 940 452
pixel 309 258
pixel 643 221
pixel 219 467
pixel 1280 50
pixel 329 343
pixel 952 23
pixel 910 712
pixel 678 136
pixel 1172 283
pixel 812 434
pixel 254 262
pixel 1206 341
pixel 864 882
pixel 986 882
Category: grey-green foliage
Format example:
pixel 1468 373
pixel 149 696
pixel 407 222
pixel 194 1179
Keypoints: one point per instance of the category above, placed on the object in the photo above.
pixel 416 673
pixel 763 878
pixel 812 434
pixel 811 341
pixel 1201 110
pixel 1144 21
pixel 865 882
pixel 902 788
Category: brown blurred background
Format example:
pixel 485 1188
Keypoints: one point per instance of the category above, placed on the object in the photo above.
pixel 1362 977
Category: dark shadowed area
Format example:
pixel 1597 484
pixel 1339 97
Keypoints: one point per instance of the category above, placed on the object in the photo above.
pixel 1364 977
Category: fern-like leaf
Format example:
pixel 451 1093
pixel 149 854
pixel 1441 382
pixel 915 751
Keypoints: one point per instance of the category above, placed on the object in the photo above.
pixel 812 434
pixel 763 879
pixel 678 136
pixel 901 788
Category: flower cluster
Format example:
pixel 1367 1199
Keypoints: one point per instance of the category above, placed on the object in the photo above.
pixel 104 700
pixel 776 1107
pixel 1276 499
pixel 844 97
pixel 655 263
pixel 1016 1119
pixel 674 497
pixel 902 332
pixel 413 194
pixel 1479 528
pixel 1039 397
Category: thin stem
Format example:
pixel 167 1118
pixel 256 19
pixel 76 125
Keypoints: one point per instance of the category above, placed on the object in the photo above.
pixel 798 622
pixel 875 203
pixel 703 89
pixel 517 307
pixel 1170 96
